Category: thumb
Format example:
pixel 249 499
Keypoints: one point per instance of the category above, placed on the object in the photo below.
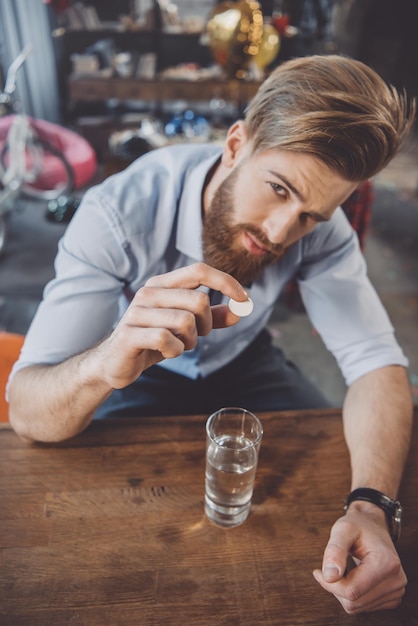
pixel 336 553
pixel 331 572
pixel 222 316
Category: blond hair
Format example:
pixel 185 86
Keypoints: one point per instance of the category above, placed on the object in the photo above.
pixel 334 108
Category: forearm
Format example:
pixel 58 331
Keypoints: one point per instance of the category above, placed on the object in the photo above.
pixel 377 423
pixel 55 402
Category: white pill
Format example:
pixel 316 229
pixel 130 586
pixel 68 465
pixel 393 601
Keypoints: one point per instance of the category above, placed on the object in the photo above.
pixel 242 309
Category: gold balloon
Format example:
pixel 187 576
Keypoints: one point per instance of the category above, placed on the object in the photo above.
pixel 269 47
pixel 235 31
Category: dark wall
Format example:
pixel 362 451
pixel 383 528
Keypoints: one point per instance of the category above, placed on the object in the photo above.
pixel 109 10
pixel 383 34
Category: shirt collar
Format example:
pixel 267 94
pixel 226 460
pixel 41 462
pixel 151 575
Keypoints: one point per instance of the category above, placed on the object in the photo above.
pixel 190 223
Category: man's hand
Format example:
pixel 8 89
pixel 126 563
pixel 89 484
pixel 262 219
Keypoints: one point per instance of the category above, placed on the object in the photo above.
pixel 164 319
pixel 377 580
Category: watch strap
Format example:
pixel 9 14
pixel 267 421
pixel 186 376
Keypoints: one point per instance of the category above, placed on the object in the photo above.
pixel 392 508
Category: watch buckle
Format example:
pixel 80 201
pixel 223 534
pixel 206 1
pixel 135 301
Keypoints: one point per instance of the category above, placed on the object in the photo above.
pixel 396 522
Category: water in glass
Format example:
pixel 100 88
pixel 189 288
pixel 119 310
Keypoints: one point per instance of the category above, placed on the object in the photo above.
pixel 231 463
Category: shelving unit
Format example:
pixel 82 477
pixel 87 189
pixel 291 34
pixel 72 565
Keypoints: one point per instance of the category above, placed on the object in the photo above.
pixel 170 49
pixel 87 97
pixel 86 89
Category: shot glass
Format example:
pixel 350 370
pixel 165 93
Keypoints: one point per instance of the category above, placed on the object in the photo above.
pixel 233 437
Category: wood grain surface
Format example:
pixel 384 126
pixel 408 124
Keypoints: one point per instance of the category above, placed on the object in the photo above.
pixel 108 529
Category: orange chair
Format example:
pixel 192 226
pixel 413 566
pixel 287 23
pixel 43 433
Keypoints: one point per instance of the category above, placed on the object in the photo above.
pixel 10 346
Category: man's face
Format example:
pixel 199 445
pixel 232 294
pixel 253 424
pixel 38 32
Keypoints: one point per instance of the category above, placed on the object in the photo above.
pixel 266 203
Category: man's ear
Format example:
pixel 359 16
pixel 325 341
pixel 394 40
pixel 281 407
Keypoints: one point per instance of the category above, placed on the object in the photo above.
pixel 235 144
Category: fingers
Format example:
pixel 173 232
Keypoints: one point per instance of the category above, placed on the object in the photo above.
pixel 165 318
pixel 222 316
pixel 178 290
pixel 198 275
pixel 179 324
pixel 381 599
pixel 386 594
pixel 128 351
pixel 337 551
pixel 175 309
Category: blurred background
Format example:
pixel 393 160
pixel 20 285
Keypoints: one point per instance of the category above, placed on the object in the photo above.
pixel 129 76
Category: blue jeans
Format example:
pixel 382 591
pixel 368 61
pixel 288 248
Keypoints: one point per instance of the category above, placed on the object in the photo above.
pixel 259 379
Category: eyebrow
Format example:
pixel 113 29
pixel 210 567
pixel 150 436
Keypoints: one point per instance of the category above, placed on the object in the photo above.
pixel 287 182
pixel 316 216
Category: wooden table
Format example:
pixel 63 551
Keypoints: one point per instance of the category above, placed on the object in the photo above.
pixel 109 529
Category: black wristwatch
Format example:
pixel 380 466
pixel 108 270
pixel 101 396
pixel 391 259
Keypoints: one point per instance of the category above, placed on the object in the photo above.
pixel 392 508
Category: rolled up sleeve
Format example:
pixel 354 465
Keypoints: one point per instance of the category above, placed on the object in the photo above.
pixel 342 303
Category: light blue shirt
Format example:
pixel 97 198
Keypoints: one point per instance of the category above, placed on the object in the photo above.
pixel 147 220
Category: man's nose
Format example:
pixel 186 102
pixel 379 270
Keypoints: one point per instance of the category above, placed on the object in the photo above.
pixel 277 225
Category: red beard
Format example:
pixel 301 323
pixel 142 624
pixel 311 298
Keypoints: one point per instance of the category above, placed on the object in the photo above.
pixel 220 239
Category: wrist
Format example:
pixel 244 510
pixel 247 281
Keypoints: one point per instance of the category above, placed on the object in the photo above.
pixel 367 508
pixel 91 371
pixel 379 505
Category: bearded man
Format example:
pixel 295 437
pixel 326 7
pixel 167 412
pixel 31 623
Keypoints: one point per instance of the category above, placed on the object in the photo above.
pixel 136 321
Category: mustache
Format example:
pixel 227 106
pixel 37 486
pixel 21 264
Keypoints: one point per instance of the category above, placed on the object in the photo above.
pixel 275 249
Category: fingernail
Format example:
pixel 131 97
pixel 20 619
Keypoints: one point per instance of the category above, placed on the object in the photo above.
pixel 331 571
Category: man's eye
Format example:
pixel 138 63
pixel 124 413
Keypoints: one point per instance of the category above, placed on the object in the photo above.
pixel 281 191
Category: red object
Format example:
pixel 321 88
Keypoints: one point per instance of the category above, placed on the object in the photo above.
pixel 280 21
pixel 58 5
pixel 358 209
pixel 78 152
